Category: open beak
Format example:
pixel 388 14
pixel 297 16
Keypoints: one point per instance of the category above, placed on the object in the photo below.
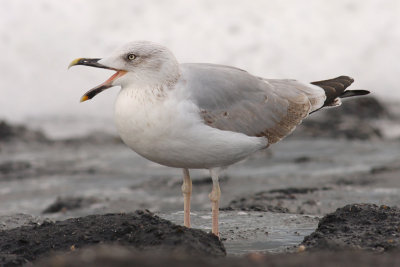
pixel 94 62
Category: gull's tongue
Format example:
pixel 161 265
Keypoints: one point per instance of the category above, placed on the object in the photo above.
pixel 114 76
pixel 98 89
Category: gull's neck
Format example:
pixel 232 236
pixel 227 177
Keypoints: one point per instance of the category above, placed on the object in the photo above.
pixel 147 88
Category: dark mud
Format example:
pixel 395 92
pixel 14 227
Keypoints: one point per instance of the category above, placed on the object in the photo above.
pixel 357 226
pixel 395 166
pixel 141 230
pixel 9 133
pixel 27 153
pixel 276 200
pixel 175 182
pixel 378 174
pixel 21 133
pixel 21 169
pixel 337 128
pixel 355 235
pixel 354 181
pixel 239 205
pixel 208 181
pixel 9 168
pixel 367 107
pixel 64 204
pixel 94 138
pixel 116 256
pixel 339 122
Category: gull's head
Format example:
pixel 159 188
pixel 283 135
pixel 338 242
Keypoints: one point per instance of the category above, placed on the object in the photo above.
pixel 138 64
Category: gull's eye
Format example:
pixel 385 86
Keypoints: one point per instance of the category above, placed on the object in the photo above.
pixel 131 56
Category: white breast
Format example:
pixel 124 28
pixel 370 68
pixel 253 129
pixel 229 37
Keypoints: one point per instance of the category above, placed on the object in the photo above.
pixel 167 130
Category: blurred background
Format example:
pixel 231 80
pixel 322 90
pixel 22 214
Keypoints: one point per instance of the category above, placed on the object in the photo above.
pixel 306 40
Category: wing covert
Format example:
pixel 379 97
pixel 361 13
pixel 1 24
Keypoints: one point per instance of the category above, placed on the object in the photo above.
pixel 231 99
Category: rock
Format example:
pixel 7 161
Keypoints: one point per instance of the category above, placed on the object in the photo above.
pixel 357 226
pixel 141 230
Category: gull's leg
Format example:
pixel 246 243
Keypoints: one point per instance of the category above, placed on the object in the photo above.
pixel 187 192
pixel 214 196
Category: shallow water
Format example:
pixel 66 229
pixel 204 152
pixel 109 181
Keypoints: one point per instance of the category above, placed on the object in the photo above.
pixel 244 232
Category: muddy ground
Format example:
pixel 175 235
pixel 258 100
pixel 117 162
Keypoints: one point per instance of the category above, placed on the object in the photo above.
pixel 298 195
pixel 357 226
pixel 122 256
pixel 141 230
pixel 143 238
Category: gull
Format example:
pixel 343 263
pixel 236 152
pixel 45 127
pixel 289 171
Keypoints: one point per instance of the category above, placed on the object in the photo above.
pixel 204 116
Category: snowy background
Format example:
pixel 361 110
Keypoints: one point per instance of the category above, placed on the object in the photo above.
pixel 306 40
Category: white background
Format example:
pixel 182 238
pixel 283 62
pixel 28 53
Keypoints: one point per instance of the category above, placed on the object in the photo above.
pixel 306 40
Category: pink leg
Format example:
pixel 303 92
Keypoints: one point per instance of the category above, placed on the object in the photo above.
pixel 215 196
pixel 187 192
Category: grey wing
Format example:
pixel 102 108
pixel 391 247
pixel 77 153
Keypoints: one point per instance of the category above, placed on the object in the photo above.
pixel 234 100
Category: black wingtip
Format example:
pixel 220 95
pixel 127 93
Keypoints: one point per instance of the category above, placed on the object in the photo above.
pixel 350 93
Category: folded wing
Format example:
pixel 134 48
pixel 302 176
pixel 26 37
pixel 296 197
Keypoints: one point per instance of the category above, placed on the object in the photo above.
pixel 231 99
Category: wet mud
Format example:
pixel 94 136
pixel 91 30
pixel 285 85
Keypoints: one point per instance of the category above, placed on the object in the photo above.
pixel 64 204
pixel 357 226
pixel 10 132
pixel 341 239
pixel 141 230
pixel 272 202
pixel 339 122
pixel 102 256
pixel 284 200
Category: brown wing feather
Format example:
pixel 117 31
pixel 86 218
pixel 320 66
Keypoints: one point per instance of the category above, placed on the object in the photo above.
pixel 233 100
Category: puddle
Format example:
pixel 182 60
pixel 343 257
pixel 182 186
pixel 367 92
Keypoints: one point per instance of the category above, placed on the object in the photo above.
pixel 254 231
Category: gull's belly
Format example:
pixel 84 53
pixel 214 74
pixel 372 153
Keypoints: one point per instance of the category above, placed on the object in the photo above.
pixel 171 134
